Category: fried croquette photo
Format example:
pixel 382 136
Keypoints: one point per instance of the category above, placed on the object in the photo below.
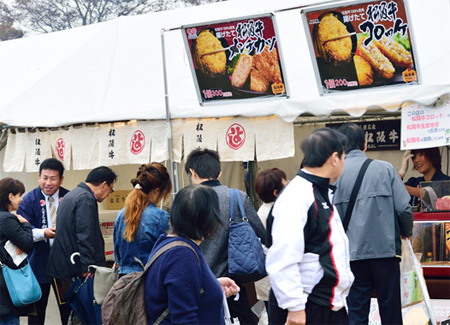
pixel 395 52
pixel 339 50
pixel 212 65
pixel 380 63
pixel 363 70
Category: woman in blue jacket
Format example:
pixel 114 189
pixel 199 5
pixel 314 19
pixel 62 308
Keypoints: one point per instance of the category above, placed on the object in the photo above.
pixel 140 223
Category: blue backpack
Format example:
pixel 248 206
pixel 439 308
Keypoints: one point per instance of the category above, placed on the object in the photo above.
pixel 246 259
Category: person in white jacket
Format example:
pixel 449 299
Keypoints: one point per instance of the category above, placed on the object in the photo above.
pixel 309 262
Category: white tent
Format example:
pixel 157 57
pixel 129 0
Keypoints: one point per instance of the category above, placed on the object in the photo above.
pixel 112 71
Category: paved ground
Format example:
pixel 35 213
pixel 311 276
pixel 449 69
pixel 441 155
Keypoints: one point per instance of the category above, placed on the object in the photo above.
pixel 52 314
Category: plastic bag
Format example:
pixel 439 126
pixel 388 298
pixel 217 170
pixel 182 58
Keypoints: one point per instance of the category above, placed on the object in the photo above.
pixel 411 292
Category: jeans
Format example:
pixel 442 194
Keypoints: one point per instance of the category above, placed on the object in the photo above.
pixel 9 319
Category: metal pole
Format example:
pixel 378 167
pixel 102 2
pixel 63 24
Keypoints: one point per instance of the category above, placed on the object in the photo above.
pixel 173 167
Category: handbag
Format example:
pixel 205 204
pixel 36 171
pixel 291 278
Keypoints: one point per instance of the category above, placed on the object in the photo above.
pixel 104 279
pixel 246 259
pixel 22 285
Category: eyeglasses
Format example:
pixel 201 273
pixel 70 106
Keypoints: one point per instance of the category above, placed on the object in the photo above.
pixel 110 187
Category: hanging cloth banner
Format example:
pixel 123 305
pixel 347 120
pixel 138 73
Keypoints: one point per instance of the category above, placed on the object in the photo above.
pixel 274 138
pixel 198 134
pixel 38 149
pixel 85 147
pixel 177 139
pixel 112 148
pixel 236 139
pixel 61 142
pixel 138 142
pixel 15 152
pixel 160 146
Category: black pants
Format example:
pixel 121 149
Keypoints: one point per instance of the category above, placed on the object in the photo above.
pixel 241 309
pixel 315 314
pixel 41 306
pixel 383 275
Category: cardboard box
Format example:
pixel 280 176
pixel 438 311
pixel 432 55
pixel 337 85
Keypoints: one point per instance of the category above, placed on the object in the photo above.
pixel 116 200
pixel 109 248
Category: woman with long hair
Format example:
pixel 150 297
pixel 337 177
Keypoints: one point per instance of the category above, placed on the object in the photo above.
pixel 140 223
pixel 16 229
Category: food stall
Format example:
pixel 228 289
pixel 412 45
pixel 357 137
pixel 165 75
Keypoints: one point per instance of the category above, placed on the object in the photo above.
pixel 126 91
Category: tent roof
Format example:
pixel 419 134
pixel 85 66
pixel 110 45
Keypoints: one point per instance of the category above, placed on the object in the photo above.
pixel 113 71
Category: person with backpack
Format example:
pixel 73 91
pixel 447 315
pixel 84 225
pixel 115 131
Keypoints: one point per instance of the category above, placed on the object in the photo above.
pixel 203 167
pixel 180 288
pixel 140 223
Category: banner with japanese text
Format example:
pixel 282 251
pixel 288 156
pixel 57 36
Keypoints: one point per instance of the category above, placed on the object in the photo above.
pixel 38 149
pixel 235 59
pixel 363 45
pixel 380 135
pixel 199 134
pixel 112 149
pixel 425 127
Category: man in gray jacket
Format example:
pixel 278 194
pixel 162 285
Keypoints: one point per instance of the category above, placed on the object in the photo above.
pixel 381 216
pixel 203 167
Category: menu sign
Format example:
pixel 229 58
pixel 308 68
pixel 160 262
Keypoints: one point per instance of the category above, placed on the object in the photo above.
pixel 235 59
pixel 368 44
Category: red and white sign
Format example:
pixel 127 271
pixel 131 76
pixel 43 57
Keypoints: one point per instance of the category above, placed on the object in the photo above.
pixel 235 136
pixel 137 142
pixel 60 148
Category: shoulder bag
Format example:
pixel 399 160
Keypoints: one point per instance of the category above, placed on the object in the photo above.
pixel 22 285
pixel 351 203
pixel 246 259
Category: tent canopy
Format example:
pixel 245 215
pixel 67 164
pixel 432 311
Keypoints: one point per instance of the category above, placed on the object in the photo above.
pixel 113 71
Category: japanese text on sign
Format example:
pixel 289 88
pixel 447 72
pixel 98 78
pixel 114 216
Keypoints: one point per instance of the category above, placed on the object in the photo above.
pixel 425 127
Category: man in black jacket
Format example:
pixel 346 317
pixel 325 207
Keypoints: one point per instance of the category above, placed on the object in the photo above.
pixel 78 236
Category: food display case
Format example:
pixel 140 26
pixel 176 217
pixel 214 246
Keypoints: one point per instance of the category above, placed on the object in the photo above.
pixel 431 244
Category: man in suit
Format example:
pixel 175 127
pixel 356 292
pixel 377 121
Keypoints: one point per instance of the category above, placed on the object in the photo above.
pixel 39 207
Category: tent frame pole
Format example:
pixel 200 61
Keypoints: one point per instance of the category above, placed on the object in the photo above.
pixel 173 166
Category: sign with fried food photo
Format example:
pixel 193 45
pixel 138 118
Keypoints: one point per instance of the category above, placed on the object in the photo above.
pixel 238 59
pixel 363 45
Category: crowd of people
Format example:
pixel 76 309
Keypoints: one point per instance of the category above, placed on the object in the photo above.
pixel 327 248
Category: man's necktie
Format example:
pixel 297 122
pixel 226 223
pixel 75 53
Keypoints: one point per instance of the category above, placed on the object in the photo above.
pixel 52 209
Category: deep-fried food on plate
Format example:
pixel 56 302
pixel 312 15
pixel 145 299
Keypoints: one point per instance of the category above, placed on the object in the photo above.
pixel 241 70
pixel 212 65
pixel 396 53
pixel 381 64
pixel 267 64
pixel 339 50
pixel 258 82
pixel 363 70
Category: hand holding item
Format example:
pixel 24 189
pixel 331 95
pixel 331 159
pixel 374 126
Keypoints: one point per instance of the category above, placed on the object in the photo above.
pixel 405 163
pixel 228 286
pixel 49 233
